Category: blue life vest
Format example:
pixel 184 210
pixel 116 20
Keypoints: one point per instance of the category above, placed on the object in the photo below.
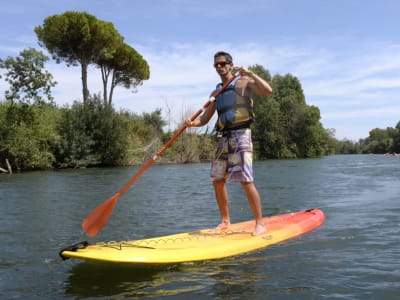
pixel 234 111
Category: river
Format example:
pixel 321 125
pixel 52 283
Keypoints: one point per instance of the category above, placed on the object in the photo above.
pixel 354 255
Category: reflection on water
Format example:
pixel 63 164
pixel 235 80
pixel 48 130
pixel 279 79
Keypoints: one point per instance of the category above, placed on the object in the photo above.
pixel 101 280
pixel 224 276
pixel 353 255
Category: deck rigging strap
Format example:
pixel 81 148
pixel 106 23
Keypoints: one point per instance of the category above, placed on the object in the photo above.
pixel 73 248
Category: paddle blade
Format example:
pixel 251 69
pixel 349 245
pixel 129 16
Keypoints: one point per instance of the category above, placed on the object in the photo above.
pixel 99 216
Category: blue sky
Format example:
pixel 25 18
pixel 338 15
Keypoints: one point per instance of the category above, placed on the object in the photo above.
pixel 346 53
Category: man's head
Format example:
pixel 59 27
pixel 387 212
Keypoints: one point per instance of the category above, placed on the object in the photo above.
pixel 223 60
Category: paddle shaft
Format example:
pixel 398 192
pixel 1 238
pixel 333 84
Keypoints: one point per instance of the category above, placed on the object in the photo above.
pixel 95 221
pixel 173 138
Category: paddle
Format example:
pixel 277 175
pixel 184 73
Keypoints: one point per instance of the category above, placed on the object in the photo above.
pixel 95 221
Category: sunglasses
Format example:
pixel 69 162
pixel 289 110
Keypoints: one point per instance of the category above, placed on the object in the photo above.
pixel 221 64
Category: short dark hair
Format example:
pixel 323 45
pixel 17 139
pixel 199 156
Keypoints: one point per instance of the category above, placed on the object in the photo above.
pixel 228 57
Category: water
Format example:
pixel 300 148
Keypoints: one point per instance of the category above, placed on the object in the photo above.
pixel 353 255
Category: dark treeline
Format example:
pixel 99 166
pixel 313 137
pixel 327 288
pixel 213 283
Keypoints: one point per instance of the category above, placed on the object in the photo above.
pixel 379 141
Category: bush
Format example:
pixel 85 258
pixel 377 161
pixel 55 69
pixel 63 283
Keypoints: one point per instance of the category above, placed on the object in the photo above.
pixel 28 135
pixel 91 135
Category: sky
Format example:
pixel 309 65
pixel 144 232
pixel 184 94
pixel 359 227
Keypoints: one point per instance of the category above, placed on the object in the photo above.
pixel 345 53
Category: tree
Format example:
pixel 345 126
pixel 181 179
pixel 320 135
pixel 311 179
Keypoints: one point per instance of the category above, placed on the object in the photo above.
pixel 91 134
pixel 28 134
pixel 310 137
pixel 126 67
pixel 379 141
pixel 78 38
pixel 332 142
pixel 267 128
pixel 28 80
pixel 268 140
pixel 396 139
pixel 285 125
pixel 289 94
pixel 155 121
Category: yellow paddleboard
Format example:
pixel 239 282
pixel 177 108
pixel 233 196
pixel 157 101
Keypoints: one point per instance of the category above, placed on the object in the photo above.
pixel 200 245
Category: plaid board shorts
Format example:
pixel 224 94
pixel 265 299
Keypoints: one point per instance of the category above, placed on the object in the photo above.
pixel 234 157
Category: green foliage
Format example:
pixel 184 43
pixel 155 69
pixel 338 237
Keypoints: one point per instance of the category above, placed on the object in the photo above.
pixel 396 139
pixel 145 135
pixel 75 148
pixel 379 141
pixel 190 147
pixel 286 127
pixel 78 38
pixel 155 121
pixel 126 67
pixel 382 141
pixel 43 136
pixel 269 142
pixel 310 136
pixel 27 78
pixel 346 147
pixel 332 143
pixel 28 135
pixel 92 134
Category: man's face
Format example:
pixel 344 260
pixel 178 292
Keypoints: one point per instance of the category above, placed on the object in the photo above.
pixel 221 65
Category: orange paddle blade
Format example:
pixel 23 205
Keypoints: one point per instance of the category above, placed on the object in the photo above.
pixel 99 216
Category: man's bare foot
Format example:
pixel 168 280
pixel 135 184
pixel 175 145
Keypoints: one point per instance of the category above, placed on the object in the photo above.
pixel 260 229
pixel 223 226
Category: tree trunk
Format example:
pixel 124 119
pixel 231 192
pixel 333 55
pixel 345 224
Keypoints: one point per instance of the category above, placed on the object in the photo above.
pixel 8 166
pixel 85 90
pixel 104 76
pixel 112 88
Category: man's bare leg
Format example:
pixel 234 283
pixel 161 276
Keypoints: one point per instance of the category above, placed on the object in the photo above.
pixel 255 204
pixel 221 194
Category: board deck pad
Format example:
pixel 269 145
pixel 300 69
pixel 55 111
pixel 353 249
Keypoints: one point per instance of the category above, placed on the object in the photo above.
pixel 205 244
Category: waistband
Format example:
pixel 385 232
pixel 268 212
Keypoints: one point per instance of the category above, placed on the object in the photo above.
pixel 229 133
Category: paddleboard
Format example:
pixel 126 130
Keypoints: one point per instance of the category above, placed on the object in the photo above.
pixel 199 245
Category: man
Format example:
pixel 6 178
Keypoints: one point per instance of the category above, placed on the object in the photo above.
pixel 233 159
